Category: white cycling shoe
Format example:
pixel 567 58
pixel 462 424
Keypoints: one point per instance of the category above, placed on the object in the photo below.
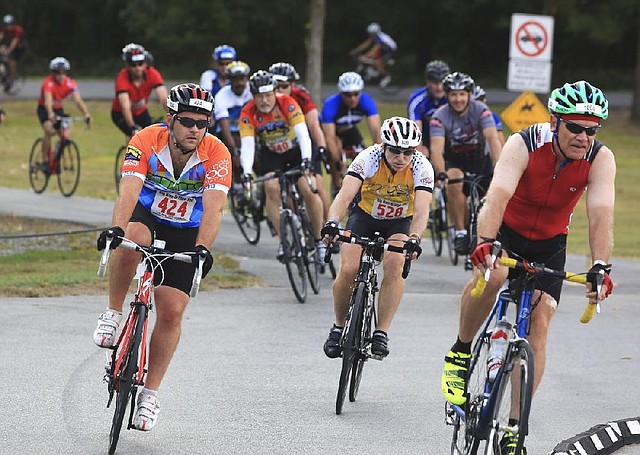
pixel 146 415
pixel 105 333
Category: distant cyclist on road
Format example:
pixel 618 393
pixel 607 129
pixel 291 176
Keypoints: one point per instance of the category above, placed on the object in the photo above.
pixel 340 116
pixel 392 183
pixel 426 100
pixel 215 78
pixel 134 85
pixel 378 49
pixel 13 44
pixel 459 131
pixel 175 178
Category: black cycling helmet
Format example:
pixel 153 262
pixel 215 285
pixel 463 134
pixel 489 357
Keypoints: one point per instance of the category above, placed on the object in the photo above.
pixel 458 81
pixel 436 70
pixel 261 82
pixel 134 53
pixel 284 72
pixel 190 98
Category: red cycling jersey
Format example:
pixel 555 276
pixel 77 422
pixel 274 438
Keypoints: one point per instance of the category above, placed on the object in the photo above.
pixel 8 34
pixel 544 200
pixel 58 91
pixel 302 96
pixel 139 96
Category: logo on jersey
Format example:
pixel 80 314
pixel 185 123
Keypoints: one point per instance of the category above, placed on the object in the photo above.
pixel 133 153
pixel 219 171
pixel 291 107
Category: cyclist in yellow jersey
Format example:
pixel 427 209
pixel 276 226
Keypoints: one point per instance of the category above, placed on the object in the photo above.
pixel 392 186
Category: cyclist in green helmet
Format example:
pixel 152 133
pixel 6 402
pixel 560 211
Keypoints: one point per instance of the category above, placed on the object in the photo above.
pixel 539 178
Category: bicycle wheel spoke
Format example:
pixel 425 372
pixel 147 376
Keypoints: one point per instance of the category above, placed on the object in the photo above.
pixel 293 257
pixel 69 168
pixel 246 216
pixel 38 168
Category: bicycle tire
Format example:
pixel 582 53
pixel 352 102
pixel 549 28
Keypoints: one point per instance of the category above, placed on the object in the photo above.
pixel 38 175
pixel 69 168
pixel 246 217
pixel 435 222
pixel 312 257
pixel 350 347
pixel 451 235
pixel 293 256
pixel 125 382
pixel 519 361
pixel 117 171
pixel 364 337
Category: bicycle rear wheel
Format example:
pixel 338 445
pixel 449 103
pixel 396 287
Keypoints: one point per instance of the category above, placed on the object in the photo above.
pixel 38 168
pixel 436 215
pixel 246 216
pixel 124 382
pixel 117 172
pixel 69 168
pixel 514 395
pixel 363 338
pixel 451 235
pixel 293 256
pixel 350 342
pixel 312 259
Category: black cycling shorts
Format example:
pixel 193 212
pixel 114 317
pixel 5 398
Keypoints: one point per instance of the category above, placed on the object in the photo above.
pixel 43 116
pixel 178 275
pixel 551 252
pixel 476 162
pixel 351 138
pixel 271 161
pixel 365 225
pixel 143 120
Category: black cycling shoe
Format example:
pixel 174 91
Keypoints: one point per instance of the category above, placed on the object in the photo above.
pixel 380 343
pixel 332 348
pixel 461 244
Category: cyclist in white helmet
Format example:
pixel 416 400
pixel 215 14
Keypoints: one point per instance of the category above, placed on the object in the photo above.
pixel 392 183
pixel 378 49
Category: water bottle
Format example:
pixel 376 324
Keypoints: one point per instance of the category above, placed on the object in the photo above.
pixel 498 348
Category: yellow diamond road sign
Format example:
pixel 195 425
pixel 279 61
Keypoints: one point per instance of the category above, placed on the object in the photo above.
pixel 524 111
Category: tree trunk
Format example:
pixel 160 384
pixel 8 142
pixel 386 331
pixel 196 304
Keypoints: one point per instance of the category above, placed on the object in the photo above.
pixel 635 106
pixel 314 49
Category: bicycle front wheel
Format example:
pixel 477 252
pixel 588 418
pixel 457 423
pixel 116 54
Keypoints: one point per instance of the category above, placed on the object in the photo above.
pixel 246 216
pixel 69 168
pixel 366 330
pixel 312 260
pixel 451 235
pixel 513 398
pixel 38 168
pixel 118 167
pixel 293 256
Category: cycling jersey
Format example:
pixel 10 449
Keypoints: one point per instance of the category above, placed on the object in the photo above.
pixel 273 131
pixel 303 98
pixel 421 107
pixel 544 200
pixel 210 80
pixel 58 91
pixel 385 41
pixel 176 200
pixel 139 96
pixel 335 111
pixel 386 195
pixel 11 33
pixel 228 105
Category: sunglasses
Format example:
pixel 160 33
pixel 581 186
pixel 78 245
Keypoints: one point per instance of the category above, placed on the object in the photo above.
pixel 189 122
pixel 399 151
pixel 350 94
pixel 282 86
pixel 577 129
pixel 135 64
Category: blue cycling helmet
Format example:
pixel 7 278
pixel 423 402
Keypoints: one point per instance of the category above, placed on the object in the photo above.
pixel 224 52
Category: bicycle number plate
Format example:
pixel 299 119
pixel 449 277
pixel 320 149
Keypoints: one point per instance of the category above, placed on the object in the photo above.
pixel 172 206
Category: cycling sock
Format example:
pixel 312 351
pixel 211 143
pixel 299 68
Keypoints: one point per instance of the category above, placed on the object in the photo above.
pixel 146 391
pixel 461 232
pixel 460 346
pixel 381 332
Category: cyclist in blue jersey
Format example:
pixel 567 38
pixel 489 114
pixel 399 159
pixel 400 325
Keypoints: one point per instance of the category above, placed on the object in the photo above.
pixel 340 116
pixel 378 49
pixel 424 101
pixel 214 78
pixel 479 94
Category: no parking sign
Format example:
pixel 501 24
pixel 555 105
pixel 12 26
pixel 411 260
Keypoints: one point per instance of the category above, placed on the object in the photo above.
pixel 530 51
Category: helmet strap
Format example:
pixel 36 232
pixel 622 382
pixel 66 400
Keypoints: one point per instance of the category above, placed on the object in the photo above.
pixel 557 142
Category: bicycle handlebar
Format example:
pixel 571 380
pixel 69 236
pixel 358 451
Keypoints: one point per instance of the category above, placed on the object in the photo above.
pixel 593 305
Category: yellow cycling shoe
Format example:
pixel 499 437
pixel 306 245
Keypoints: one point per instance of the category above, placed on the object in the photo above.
pixel 454 377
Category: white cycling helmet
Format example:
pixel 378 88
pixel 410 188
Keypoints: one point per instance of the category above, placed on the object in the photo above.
pixel 401 132
pixel 373 27
pixel 59 64
pixel 350 82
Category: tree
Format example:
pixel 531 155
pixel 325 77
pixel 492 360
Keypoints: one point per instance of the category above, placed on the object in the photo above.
pixel 314 49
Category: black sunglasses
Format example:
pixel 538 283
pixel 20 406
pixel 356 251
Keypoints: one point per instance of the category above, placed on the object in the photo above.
pixel 399 151
pixel 134 64
pixel 189 122
pixel 282 86
pixel 577 129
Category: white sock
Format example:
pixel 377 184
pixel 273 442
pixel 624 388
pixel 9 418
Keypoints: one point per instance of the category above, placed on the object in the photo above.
pixel 461 232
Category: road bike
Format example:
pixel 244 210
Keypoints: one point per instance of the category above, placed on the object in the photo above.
pixel 62 160
pixel 246 204
pixel 127 362
pixel 120 155
pixel 372 76
pixel 480 424
pixel 10 86
pixel 362 314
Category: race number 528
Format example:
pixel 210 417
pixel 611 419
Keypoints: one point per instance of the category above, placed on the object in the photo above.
pixel 387 211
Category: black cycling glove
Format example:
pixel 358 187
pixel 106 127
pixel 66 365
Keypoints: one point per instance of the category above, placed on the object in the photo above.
pixel 208 259
pixel 116 232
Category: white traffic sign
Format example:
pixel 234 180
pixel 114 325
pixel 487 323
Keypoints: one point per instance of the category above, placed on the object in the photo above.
pixel 529 75
pixel 531 37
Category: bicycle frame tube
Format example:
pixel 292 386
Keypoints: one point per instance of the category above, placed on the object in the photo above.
pixel 143 298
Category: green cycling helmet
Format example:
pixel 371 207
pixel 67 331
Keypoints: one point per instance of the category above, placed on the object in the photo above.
pixel 579 98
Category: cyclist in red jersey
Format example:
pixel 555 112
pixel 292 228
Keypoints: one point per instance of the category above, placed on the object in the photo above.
pixel 12 45
pixel 541 174
pixel 55 88
pixel 286 78
pixel 134 85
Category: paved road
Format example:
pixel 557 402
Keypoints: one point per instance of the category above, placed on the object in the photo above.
pixel 250 377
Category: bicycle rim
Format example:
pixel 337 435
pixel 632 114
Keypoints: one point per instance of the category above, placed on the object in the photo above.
pixel 117 171
pixel 349 344
pixel 515 393
pixel 363 337
pixel 69 168
pixel 313 256
pixel 247 218
pixel 38 178
pixel 451 234
pixel 293 259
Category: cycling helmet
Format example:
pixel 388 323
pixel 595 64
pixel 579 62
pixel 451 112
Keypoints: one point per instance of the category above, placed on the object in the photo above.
pixel 237 68
pixel 579 98
pixel 436 70
pixel 401 132
pixel 350 82
pixel 458 81
pixel 59 64
pixel 479 93
pixel 190 98
pixel 134 53
pixel 373 27
pixel 224 52
pixel 284 72
pixel 8 19
pixel 261 82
